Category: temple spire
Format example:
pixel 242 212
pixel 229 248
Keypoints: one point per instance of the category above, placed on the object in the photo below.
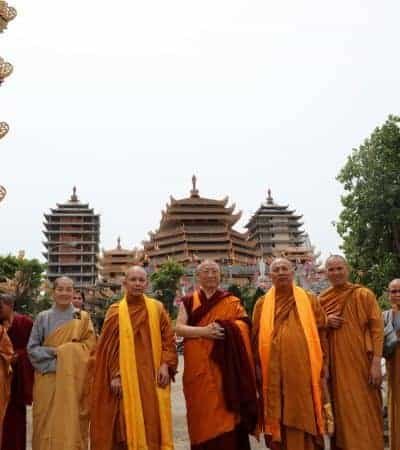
pixel 194 192
pixel 270 200
pixel 119 243
pixel 74 197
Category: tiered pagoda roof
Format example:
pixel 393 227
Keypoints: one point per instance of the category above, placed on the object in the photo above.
pixel 197 228
pixel 275 227
pixel 72 232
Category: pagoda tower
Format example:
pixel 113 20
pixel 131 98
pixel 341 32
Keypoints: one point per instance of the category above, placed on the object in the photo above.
pixel 114 263
pixel 72 232
pixel 198 228
pixel 275 228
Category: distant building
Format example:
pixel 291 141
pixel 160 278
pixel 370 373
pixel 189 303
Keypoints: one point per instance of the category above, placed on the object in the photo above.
pixel 197 228
pixel 72 232
pixel 275 228
pixel 114 263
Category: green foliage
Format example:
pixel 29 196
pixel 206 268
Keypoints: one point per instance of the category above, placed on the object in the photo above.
pixel 248 296
pixel 27 277
pixel 165 283
pixel 370 220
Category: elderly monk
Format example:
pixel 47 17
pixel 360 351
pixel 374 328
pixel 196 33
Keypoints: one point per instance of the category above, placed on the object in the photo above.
pixel 6 355
pixel 219 378
pixel 355 337
pixel 19 328
pixel 59 348
pixel 286 325
pixel 392 353
pixel 135 360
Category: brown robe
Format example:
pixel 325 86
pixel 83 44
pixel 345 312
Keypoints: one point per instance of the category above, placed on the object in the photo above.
pixel 215 417
pixel 107 414
pixel 289 392
pixel 357 405
pixel 6 352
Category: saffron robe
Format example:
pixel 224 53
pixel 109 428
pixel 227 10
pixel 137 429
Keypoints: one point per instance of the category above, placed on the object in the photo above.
pixel 14 427
pixel 60 416
pixel 357 405
pixel 288 399
pixel 108 426
pixel 393 372
pixel 6 352
pixel 213 420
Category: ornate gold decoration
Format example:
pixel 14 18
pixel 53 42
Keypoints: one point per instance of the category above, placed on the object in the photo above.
pixel 4 129
pixel 7 14
pixel 6 69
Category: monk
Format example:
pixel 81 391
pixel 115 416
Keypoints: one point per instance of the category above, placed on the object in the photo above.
pixel 135 361
pixel 355 337
pixel 6 355
pixel 19 328
pixel 219 377
pixel 59 348
pixel 287 322
pixel 392 354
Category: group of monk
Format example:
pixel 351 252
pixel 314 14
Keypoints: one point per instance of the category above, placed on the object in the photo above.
pixel 305 373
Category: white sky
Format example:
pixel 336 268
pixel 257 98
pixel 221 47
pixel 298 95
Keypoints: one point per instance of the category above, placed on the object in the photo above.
pixel 128 99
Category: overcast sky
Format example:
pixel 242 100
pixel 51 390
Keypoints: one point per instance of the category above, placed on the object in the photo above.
pixel 128 99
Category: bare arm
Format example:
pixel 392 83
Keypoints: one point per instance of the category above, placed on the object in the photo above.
pixel 211 331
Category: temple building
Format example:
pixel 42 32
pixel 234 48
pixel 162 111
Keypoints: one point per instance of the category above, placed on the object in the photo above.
pixel 275 229
pixel 72 232
pixel 197 228
pixel 114 263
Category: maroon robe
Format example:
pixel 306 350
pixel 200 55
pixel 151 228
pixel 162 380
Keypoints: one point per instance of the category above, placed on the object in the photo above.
pixel 14 426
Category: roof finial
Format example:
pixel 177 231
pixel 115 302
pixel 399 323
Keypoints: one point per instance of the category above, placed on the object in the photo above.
pixel 74 197
pixel 194 192
pixel 119 243
pixel 270 200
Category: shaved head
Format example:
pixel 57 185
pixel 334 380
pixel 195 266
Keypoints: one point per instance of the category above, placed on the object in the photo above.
pixel 282 273
pixel 136 269
pixel 207 263
pixel 395 282
pixel 336 258
pixel 337 270
pixel 281 260
pixel 61 280
pixel 394 293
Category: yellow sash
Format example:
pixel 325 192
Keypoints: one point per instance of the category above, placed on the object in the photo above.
pixel 133 411
pixel 307 320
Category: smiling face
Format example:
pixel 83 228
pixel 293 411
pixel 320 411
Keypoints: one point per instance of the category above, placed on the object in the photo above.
pixel 282 273
pixel 135 282
pixel 63 291
pixel 337 271
pixel 394 293
pixel 209 275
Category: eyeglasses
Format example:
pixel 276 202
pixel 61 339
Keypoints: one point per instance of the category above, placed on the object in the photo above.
pixel 394 291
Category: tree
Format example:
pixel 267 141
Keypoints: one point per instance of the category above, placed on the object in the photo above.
pixel 26 276
pixel 247 295
pixel 370 220
pixel 165 282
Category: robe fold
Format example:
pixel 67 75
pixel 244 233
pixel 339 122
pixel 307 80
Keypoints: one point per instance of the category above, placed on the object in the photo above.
pixel 108 422
pixel 357 405
pixel 291 376
pixel 393 373
pixel 6 352
pixel 219 376
pixel 14 427
pixel 60 399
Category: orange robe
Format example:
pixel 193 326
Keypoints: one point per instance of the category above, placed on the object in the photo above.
pixel 107 412
pixel 289 391
pixel 6 352
pixel 357 405
pixel 211 424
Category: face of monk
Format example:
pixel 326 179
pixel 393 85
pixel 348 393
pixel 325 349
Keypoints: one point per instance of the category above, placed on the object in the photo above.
pixel 77 300
pixel 282 274
pixel 209 276
pixel 63 292
pixel 394 293
pixel 337 271
pixel 135 282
